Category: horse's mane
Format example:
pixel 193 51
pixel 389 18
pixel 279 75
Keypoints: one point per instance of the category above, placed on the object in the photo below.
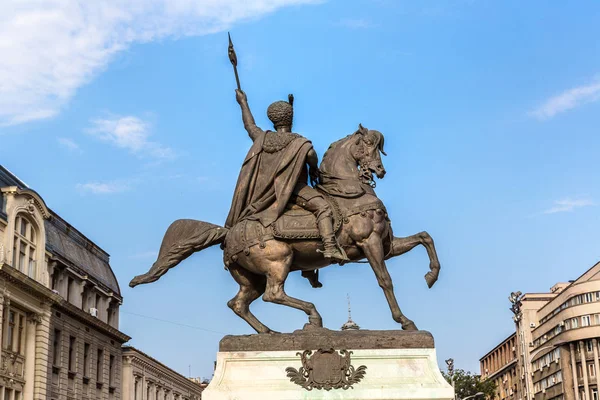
pixel 378 136
pixel 337 144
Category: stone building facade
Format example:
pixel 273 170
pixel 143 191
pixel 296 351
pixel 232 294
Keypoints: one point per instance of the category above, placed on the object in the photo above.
pixel 500 365
pixel 558 340
pixel 145 378
pixel 59 305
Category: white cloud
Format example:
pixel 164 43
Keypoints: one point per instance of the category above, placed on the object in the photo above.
pixel 69 144
pixel 129 133
pixel 102 187
pixel 568 204
pixel 568 100
pixel 50 48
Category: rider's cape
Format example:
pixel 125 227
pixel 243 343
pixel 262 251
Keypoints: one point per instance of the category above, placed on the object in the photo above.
pixel 267 180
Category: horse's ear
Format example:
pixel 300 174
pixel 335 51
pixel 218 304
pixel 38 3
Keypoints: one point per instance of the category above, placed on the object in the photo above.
pixel 381 146
pixel 362 130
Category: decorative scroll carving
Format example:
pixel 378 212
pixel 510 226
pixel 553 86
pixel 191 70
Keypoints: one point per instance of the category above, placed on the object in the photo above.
pixel 326 369
pixel 34 318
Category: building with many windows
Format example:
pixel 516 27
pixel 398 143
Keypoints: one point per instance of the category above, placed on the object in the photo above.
pixel 557 341
pixel 145 378
pixel 500 365
pixel 59 305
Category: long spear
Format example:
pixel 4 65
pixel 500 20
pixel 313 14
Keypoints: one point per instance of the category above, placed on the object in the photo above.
pixel 233 59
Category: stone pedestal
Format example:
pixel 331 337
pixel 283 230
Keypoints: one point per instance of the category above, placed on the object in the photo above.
pixel 375 365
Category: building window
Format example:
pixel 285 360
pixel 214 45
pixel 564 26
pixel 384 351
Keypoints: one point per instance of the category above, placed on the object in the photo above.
pixel 594 394
pixel 592 369
pixel 56 348
pixel 97 303
pixel 55 276
pixel 589 345
pixel 15 331
pixel 575 322
pixel 585 320
pixel 86 359
pixel 72 353
pixel 100 365
pixel 69 288
pixel 111 370
pixel 24 246
pixel 84 298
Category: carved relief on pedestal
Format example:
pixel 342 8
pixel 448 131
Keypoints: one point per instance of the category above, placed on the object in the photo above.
pixel 326 369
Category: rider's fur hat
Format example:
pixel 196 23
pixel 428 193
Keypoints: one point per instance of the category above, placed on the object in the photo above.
pixel 281 113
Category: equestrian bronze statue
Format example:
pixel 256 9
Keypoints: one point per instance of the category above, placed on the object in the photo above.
pixel 278 223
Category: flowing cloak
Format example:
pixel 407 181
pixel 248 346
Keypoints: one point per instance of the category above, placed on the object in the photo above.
pixel 267 180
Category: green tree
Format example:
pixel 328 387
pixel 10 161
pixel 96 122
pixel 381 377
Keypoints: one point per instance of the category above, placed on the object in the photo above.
pixel 467 384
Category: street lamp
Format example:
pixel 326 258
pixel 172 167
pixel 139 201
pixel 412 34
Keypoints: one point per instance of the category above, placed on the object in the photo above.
pixel 450 364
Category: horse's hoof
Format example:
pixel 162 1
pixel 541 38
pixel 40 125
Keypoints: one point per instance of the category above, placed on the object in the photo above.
pixel 313 324
pixel 409 326
pixel 430 278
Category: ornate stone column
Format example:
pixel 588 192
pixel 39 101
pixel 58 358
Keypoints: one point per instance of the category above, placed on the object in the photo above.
pixel 596 361
pixel 42 355
pixel 1 324
pixel 4 321
pixel 574 371
pixel 33 320
pixel 79 300
pixel 584 370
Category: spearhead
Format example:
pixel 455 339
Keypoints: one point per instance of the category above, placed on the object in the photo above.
pixel 231 52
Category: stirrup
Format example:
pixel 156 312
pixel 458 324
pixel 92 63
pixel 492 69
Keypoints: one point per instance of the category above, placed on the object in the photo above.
pixel 337 253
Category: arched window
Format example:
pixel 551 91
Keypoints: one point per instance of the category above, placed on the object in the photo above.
pixel 24 247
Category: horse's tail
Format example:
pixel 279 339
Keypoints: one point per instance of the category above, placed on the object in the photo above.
pixel 183 238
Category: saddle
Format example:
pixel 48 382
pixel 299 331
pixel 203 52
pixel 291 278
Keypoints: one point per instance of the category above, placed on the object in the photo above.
pixel 296 223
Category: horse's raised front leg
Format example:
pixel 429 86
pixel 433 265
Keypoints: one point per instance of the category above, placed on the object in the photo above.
pixel 373 249
pixel 405 244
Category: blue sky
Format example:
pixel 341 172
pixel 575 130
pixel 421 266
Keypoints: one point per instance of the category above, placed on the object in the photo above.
pixel 123 118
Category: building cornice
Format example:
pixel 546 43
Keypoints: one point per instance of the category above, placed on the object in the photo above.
pixel 144 360
pixel 43 293
pixel 84 275
pixel 498 346
pixel 70 309
pixel 36 199
pixel 27 284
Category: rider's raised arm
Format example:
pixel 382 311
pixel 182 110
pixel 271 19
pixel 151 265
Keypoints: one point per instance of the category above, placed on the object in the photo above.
pixel 247 118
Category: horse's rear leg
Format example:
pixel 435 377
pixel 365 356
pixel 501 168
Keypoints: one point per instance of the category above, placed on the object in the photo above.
pixel 373 249
pixel 252 286
pixel 274 293
pixel 405 244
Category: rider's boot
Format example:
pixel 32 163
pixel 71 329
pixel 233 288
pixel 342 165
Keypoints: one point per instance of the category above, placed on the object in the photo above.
pixel 331 249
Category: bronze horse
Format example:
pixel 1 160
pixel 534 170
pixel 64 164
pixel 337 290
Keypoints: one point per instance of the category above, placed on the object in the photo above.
pixel 262 267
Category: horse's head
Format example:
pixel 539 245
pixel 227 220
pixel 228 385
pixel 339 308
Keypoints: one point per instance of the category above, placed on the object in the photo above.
pixel 367 150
